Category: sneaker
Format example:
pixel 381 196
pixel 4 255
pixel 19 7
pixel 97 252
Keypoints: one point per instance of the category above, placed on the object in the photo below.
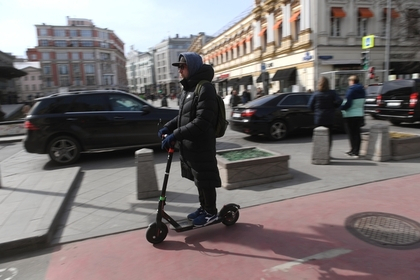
pixel 204 219
pixel 353 155
pixel 195 214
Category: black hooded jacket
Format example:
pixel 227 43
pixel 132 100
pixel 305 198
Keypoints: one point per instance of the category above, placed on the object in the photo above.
pixel 194 127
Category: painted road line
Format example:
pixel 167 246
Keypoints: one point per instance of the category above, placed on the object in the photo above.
pixel 324 255
pixel 8 273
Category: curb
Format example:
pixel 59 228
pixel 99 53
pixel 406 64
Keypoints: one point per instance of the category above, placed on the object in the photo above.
pixel 44 238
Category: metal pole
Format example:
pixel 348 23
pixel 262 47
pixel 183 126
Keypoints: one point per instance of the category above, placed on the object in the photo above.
pixel 388 40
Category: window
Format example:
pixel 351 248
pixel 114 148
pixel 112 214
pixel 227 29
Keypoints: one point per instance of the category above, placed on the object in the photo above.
pixel 48 82
pixel 77 81
pixel 26 87
pixel 60 43
pixel 90 80
pixel 295 100
pixel 63 69
pixel 86 43
pixel 278 32
pixel 89 103
pixel 43 32
pixel 362 21
pixel 124 103
pixel 76 68
pixel 45 56
pixel 74 43
pixel 43 43
pixel 59 33
pixel 295 25
pixel 73 33
pixel 34 87
pixel 413 29
pixel 75 56
pixel 107 80
pixel 62 56
pixel 90 56
pixel 47 69
pixel 86 33
pixel 89 69
pixel 103 35
pixel 105 56
pixel 33 78
pixel 64 81
pixel 335 21
pixel 104 45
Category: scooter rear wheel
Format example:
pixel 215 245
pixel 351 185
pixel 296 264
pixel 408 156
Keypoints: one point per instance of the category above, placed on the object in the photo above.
pixel 156 234
pixel 230 215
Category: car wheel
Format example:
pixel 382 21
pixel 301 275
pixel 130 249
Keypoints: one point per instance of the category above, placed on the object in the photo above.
pixel 374 116
pixel 64 150
pixel 395 122
pixel 278 130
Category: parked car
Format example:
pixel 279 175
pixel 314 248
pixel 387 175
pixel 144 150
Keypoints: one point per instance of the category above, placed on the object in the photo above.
pixel 372 91
pixel 63 125
pixel 399 101
pixel 277 115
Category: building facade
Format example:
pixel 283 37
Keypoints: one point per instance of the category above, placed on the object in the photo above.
pixel 286 45
pixel 30 86
pixel 79 56
pixel 164 54
pixel 140 72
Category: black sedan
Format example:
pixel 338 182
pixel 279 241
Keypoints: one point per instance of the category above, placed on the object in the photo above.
pixel 277 115
pixel 63 125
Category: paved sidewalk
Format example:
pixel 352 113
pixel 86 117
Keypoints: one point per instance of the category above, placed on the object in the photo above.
pixel 95 197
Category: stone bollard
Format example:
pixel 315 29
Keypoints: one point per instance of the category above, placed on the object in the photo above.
pixel 147 184
pixel 379 144
pixel 321 146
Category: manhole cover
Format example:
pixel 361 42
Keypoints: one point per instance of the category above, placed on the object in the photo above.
pixel 384 229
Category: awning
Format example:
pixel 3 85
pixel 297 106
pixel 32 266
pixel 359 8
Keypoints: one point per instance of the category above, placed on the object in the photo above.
pixel 406 67
pixel 248 38
pixel 295 16
pixel 241 42
pixel 277 25
pixel 246 80
pixel 262 31
pixel 261 77
pixel 338 12
pixel 394 13
pixel 285 75
pixel 233 82
pixel 10 72
pixel 365 13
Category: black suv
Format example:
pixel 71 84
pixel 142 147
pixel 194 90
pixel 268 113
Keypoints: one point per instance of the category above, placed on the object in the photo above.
pixel 65 124
pixel 372 91
pixel 398 101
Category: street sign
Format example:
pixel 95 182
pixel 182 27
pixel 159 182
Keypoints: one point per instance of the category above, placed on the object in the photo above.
pixel 368 42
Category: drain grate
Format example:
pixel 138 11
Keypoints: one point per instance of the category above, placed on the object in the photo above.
pixel 385 229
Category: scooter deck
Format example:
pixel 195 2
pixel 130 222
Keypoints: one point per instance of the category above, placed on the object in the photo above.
pixel 188 225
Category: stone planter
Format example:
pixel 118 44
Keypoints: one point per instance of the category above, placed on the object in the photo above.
pixel 253 171
pixel 401 148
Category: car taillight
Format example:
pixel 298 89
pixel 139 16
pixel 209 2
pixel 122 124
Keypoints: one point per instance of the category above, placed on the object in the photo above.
pixel 248 113
pixel 30 126
pixel 378 99
pixel 414 97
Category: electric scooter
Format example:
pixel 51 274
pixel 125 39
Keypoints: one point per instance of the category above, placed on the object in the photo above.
pixel 157 231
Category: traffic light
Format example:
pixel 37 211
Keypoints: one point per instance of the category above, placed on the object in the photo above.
pixel 372 72
pixel 364 60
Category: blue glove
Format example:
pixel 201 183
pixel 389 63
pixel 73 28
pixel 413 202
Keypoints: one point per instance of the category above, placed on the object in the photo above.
pixel 163 131
pixel 168 142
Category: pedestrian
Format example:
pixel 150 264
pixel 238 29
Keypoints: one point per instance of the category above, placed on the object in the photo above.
pixel 259 93
pixel 353 114
pixel 246 96
pixel 324 102
pixel 194 130
pixel 234 99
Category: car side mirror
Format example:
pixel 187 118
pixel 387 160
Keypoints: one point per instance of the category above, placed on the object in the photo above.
pixel 145 109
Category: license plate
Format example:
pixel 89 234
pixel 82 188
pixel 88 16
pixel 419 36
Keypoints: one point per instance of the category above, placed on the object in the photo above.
pixel 393 104
pixel 236 115
pixel 370 99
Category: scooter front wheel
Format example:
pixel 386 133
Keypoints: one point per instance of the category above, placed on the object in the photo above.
pixel 156 233
pixel 229 214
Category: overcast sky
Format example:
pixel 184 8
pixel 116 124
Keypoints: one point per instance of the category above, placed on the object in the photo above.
pixel 142 23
